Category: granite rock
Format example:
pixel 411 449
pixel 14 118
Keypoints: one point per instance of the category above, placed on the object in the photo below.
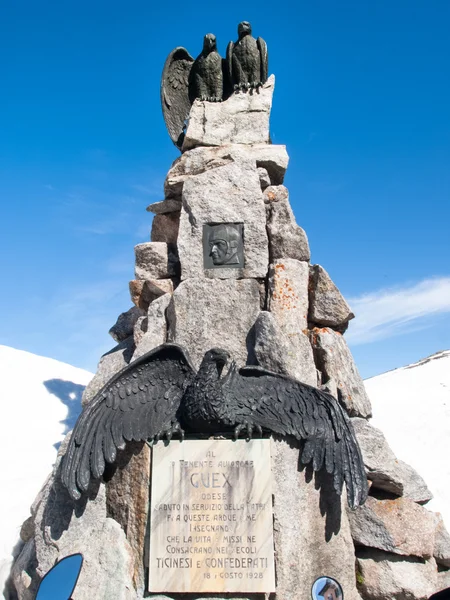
pixel 333 358
pixel 127 502
pixel 384 576
pixel 329 386
pixel 165 227
pixel 228 194
pixel 291 355
pixel 241 119
pixel 139 330
pixel 327 306
pixel 286 238
pixel 400 526
pixel 144 291
pixel 155 260
pixel 273 158
pixel 62 527
pixel 207 313
pixel 165 206
pixel 124 325
pixel 194 163
pixel 441 551
pixel 138 293
pixel 311 530
pixel 110 364
pixel 154 332
pixel 288 294
pixel 264 178
pixel 414 486
pixel 443 582
pixel 384 470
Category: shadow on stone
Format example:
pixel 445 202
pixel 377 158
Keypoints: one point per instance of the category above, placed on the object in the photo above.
pixel 329 502
pixel 59 507
pixel 70 395
pixel 128 349
pixel 123 458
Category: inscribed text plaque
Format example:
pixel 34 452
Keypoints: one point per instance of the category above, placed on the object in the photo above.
pixel 211 517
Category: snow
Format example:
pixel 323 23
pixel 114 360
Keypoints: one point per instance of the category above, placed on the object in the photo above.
pixel 411 406
pixel 41 400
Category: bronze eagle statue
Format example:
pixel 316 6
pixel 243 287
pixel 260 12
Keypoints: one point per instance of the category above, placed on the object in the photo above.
pixel 247 60
pixel 161 394
pixel 185 79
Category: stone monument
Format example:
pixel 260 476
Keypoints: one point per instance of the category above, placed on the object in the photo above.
pixel 228 266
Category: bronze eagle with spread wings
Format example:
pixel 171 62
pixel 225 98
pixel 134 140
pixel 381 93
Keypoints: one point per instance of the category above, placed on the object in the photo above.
pixel 185 79
pixel 161 394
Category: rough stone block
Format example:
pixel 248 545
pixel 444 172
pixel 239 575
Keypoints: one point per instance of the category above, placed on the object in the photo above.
pixel 414 486
pixel 286 238
pixel 124 325
pixel 138 293
pixel 155 260
pixel 288 294
pixel 383 576
pixel 383 468
pixel 333 358
pixel 165 228
pixel 311 530
pixel 443 582
pixel 139 330
pixel 193 163
pixel 327 306
pixel 164 206
pixel 441 551
pixel 228 194
pixel 206 313
pixel 155 331
pixel 273 158
pixel 110 364
pixel 144 291
pixel 127 502
pixel 291 355
pixel 241 119
pixel 400 526
pixel 62 527
pixel 264 178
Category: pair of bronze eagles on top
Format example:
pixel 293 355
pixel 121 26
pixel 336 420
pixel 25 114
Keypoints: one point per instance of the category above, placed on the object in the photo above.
pixel 210 77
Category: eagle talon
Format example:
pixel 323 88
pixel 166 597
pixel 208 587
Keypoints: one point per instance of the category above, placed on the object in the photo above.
pixel 169 433
pixel 249 427
pixel 176 428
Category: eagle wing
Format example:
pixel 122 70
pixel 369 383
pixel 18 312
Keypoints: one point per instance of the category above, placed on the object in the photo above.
pixel 259 398
pixel 138 403
pixel 175 92
pixel 227 79
pixel 262 46
pixel 229 65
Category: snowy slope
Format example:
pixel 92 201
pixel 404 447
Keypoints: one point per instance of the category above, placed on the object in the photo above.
pixel 411 406
pixel 40 401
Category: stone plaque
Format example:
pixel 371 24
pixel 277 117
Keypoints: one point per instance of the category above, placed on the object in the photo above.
pixel 211 517
pixel 223 246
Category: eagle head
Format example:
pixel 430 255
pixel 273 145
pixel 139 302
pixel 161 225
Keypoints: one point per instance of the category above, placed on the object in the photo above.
pixel 218 356
pixel 209 42
pixel 244 28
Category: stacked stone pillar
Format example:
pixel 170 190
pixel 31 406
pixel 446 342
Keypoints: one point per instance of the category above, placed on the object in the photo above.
pixel 276 310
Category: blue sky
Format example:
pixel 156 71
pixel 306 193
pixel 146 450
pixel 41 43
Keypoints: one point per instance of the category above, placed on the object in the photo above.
pixel 362 102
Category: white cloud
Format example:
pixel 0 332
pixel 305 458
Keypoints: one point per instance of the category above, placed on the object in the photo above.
pixel 388 312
